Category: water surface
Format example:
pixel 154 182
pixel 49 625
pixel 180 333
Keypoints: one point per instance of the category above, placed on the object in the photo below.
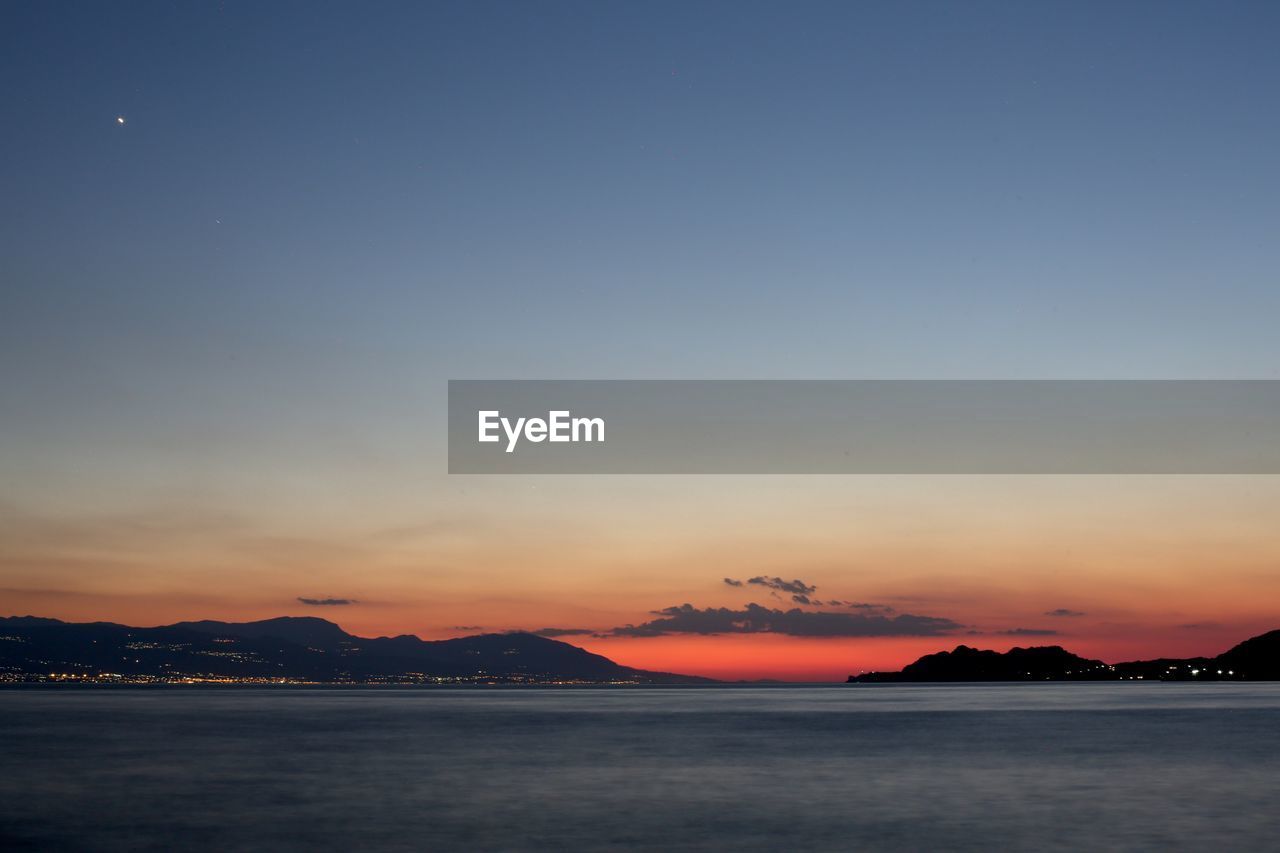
pixel 871 767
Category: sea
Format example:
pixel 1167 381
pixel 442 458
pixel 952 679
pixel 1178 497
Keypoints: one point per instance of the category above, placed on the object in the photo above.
pixel 1051 766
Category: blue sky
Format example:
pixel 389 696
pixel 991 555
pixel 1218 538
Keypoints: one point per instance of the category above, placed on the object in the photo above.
pixel 647 189
pixel 331 208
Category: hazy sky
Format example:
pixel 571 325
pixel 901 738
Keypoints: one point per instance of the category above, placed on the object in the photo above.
pixel 227 322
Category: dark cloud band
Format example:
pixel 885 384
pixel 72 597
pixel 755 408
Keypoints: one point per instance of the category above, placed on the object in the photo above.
pixel 755 619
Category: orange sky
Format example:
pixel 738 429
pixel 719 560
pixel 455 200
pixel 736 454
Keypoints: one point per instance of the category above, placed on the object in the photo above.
pixel 1155 565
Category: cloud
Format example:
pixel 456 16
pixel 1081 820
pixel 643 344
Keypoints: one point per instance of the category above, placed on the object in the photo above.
pixel 468 627
pixel 862 605
pixel 857 605
pixel 1062 611
pixel 1028 632
pixel 796 587
pixel 754 619
pixel 327 602
pixel 561 632
pixel 802 593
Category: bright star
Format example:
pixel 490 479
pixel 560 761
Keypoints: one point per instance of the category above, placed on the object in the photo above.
pixel 119 119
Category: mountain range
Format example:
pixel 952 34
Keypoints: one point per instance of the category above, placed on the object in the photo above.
pixel 292 649
pixel 1256 659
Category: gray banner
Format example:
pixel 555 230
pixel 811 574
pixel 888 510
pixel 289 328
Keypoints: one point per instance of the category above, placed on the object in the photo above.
pixel 864 427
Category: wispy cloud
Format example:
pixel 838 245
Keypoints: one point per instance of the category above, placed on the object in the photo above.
pixel 863 606
pixel 1028 632
pixel 327 602
pixel 802 593
pixel 1062 611
pixel 562 632
pixel 795 587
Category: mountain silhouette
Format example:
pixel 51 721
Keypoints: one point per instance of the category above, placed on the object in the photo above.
pixel 294 648
pixel 1259 657
pixel 1256 659
pixel 968 664
pixel 303 630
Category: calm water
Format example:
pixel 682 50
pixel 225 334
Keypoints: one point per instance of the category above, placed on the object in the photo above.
pixel 1033 767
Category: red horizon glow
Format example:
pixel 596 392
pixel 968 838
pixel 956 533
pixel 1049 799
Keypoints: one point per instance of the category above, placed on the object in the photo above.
pixel 770 656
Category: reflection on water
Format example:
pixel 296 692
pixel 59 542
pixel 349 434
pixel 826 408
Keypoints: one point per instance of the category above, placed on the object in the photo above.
pixel 927 767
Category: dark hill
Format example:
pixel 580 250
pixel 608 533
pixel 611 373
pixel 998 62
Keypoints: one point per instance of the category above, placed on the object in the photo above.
pixel 303 630
pixel 502 652
pixel 1039 663
pixel 294 648
pixel 1256 659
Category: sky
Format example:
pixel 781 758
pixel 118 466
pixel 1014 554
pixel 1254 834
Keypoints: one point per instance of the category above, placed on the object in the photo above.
pixel 243 246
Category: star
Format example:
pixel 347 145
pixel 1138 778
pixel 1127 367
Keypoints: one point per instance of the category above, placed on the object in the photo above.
pixel 119 119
